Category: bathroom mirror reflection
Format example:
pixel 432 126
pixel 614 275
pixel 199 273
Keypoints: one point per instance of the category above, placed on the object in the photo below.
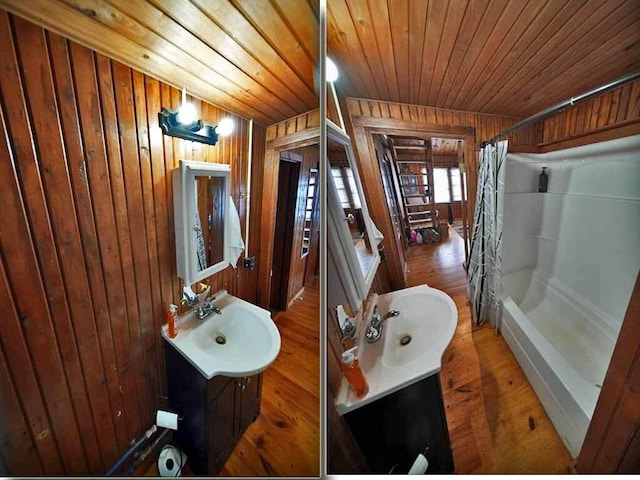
pixel 201 205
pixel 211 199
pixel 344 180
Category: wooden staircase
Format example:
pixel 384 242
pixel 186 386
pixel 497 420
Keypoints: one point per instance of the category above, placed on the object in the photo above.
pixel 414 167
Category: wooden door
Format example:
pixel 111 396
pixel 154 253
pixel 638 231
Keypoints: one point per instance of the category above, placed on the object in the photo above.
pixel 285 221
pixel 386 172
pixel 222 425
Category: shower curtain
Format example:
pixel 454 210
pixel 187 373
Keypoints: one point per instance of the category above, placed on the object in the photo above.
pixel 485 260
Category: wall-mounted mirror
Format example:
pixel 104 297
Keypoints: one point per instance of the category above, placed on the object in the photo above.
pixel 201 204
pixel 352 249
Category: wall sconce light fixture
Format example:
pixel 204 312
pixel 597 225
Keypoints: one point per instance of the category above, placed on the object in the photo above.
pixel 183 124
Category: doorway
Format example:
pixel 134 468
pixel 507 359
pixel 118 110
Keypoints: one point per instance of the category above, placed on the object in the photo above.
pixel 288 177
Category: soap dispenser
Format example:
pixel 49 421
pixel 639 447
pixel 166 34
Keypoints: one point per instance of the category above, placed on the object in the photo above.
pixel 543 180
pixel 353 372
pixel 172 321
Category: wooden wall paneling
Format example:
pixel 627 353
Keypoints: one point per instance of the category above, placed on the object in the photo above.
pixel 18 448
pixel 255 198
pixel 161 207
pixel 23 318
pixel 78 174
pixel 32 325
pixel 22 146
pixel 607 116
pixel 97 357
pixel 86 177
pixel 96 191
pixel 123 282
pixel 138 272
pixel 153 341
pixel 612 437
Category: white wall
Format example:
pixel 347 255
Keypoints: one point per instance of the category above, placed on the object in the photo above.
pixel 585 231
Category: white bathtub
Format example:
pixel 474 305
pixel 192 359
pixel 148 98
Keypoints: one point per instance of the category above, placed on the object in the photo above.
pixel 563 344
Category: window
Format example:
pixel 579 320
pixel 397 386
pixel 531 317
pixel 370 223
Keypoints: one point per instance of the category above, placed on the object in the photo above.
pixel 354 190
pixel 342 191
pixel 455 184
pixel 346 185
pixel 441 185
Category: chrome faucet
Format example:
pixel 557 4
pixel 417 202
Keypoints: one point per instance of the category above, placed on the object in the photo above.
pixel 206 309
pixel 376 324
pixel 201 307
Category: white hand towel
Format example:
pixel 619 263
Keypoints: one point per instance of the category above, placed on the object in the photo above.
pixel 234 246
pixel 377 234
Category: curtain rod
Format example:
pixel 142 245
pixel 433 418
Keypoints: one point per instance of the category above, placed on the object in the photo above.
pixel 567 103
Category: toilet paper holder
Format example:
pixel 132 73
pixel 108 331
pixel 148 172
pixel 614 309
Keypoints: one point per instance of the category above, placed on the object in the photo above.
pixel 168 420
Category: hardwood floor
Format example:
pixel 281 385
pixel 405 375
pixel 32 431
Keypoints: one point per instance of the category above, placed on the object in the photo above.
pixel 285 439
pixel 496 422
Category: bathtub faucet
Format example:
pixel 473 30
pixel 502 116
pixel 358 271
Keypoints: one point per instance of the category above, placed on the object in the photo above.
pixel 376 324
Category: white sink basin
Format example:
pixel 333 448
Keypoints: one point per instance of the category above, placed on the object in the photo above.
pixel 426 324
pixel 242 341
pixel 423 326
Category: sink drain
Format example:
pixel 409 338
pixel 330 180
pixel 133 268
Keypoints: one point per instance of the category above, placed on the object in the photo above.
pixel 221 339
pixel 405 340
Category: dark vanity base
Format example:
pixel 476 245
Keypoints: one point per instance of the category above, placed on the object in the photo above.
pixel 213 413
pixel 392 430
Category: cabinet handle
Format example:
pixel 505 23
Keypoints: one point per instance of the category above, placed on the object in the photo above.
pixel 240 384
pixel 243 387
pixel 248 379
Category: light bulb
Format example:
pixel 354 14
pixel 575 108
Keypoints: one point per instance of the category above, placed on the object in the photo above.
pixel 225 127
pixel 332 71
pixel 187 113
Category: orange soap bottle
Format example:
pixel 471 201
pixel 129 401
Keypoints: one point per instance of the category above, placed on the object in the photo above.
pixel 353 372
pixel 172 321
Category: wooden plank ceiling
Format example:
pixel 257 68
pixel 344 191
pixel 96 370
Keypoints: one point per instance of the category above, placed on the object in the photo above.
pixel 255 59
pixel 507 57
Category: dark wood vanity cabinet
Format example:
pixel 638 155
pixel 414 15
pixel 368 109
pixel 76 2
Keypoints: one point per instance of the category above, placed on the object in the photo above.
pixel 394 429
pixel 214 413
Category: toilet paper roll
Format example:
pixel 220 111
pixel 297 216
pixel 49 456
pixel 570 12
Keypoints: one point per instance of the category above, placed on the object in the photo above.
pixel 419 466
pixel 167 420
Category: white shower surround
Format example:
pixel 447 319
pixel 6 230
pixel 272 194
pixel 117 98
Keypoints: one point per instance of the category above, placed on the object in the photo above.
pixel 570 260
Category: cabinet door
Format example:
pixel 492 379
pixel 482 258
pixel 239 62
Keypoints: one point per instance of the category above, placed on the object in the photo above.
pixel 222 425
pixel 249 401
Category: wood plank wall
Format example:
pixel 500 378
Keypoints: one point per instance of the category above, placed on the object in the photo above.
pixel 611 115
pixel 485 125
pixel 87 260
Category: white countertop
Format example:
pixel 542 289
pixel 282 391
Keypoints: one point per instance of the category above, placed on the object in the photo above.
pixel 383 377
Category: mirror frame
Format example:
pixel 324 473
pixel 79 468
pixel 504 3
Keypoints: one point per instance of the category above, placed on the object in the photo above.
pixel 340 250
pixel 184 201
